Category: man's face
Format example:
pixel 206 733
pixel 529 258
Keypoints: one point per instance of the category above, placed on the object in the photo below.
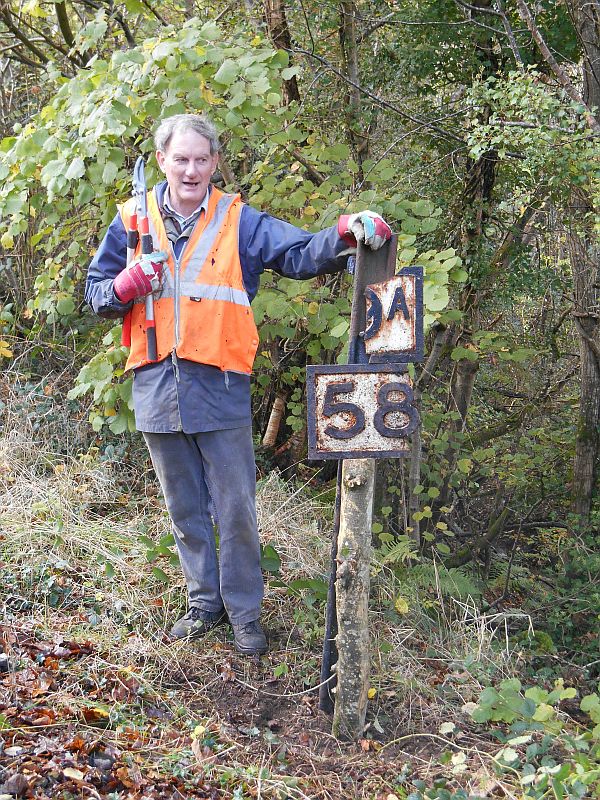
pixel 188 165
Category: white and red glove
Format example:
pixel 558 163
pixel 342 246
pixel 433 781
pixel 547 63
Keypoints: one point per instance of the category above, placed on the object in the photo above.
pixel 367 227
pixel 140 277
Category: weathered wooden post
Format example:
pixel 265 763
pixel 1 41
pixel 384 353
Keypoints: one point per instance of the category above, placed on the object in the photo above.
pixel 352 597
pixel 371 421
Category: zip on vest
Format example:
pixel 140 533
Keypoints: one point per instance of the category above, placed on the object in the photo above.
pixel 176 291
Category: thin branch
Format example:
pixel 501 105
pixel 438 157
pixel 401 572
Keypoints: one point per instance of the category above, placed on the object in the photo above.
pixel 592 345
pixel 307 22
pixel 510 33
pixel 513 551
pixel 383 103
pixel 158 16
pixel 18 34
pixel 479 9
pixel 380 23
pixel 49 41
pixel 63 22
pixel 559 73
pixel 314 174
pixel 120 20
pixel 227 10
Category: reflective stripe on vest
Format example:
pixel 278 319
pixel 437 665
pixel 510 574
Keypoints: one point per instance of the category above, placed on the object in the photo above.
pixel 202 310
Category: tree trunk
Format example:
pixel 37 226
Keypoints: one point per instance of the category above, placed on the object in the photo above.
pixel 352 594
pixel 585 266
pixel 349 48
pixel 277 412
pixel 279 33
pixel 584 254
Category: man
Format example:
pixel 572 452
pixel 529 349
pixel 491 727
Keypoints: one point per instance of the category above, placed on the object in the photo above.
pixel 193 404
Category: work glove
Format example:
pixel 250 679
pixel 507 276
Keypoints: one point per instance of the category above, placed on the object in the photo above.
pixel 366 226
pixel 140 278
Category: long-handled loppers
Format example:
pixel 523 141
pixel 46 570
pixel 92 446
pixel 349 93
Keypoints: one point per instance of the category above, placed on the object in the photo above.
pixel 139 191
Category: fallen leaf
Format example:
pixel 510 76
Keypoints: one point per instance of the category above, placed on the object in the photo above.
pixel 95 714
pixel 401 605
pixel 227 673
pixel 304 737
pixel 76 744
pixel 16 784
pixel 74 774
pixel 131 777
pixel 204 755
pixel 45 718
pixel 447 727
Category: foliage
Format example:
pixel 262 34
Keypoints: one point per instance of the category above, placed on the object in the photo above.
pixel 560 756
pixel 551 137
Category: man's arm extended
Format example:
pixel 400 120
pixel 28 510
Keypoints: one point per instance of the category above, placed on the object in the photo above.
pixel 109 261
pixel 269 243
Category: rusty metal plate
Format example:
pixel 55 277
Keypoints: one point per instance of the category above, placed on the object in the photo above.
pixel 394 323
pixel 359 411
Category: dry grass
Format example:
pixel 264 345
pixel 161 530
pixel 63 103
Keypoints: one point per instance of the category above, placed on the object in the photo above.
pixel 65 516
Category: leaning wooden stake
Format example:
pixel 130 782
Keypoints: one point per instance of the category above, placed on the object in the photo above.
pixel 352 596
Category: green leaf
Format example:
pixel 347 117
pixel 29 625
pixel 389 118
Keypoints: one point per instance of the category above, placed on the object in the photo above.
pixel 270 560
pixel 65 306
pixel 423 208
pixel 119 424
pixel 459 275
pixel 160 575
pixel 76 169
pixel 508 755
pixel 109 570
pixel 110 172
pixel 227 72
pixel 314 585
pixel 543 713
pixel 460 353
pixel 591 702
pixel 340 329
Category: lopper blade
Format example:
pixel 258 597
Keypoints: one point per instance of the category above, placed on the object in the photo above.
pixel 139 188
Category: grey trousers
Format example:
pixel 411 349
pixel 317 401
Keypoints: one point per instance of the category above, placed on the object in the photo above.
pixel 204 472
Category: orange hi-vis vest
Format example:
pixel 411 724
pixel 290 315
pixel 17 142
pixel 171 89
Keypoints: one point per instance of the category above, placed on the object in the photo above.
pixel 202 311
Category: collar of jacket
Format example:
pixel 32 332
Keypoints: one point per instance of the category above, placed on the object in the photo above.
pixel 160 190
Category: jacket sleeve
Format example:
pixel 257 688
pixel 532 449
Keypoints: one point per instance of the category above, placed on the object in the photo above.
pixel 110 259
pixel 266 242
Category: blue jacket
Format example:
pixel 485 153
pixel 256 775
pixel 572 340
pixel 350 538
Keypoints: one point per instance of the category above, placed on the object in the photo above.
pixel 175 395
pixel 265 242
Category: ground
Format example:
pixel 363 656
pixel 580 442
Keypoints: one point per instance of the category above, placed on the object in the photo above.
pixel 96 702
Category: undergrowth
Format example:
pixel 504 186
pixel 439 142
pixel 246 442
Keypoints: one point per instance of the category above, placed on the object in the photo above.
pixel 90 583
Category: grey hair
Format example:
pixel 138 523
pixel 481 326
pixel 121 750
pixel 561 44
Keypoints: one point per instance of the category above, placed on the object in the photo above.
pixel 186 122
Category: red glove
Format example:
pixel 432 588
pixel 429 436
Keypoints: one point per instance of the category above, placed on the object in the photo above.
pixel 140 278
pixel 366 226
